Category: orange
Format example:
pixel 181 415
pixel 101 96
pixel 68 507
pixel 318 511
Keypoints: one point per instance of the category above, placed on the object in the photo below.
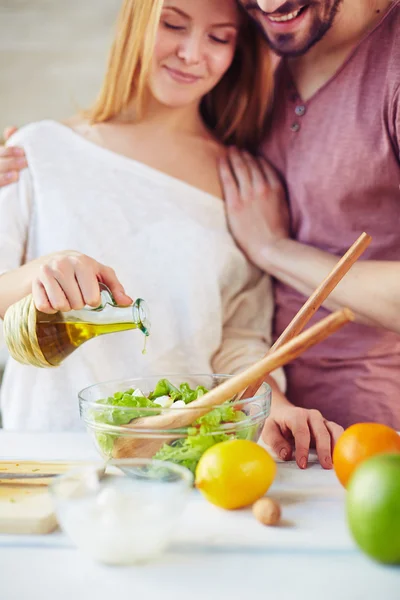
pixel 372 507
pixel 359 442
pixel 235 473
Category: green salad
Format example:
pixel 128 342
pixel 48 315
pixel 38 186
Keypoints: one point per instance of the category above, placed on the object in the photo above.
pixel 203 433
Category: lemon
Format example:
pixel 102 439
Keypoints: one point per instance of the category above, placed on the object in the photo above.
pixel 235 474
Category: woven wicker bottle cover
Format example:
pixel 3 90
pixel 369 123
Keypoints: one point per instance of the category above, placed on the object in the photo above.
pixel 20 333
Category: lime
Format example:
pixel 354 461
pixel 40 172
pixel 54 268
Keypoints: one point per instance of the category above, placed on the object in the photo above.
pixel 235 473
pixel 373 507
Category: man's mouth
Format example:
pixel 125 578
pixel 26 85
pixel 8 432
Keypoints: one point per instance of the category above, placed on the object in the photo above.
pixel 287 17
pixel 287 22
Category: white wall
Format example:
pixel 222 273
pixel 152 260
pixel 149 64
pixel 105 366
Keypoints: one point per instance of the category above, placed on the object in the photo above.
pixel 52 56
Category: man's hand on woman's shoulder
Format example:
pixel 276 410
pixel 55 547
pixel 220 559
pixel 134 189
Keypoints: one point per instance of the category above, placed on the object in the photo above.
pixel 12 160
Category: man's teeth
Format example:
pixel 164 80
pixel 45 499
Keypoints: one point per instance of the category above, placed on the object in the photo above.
pixel 288 17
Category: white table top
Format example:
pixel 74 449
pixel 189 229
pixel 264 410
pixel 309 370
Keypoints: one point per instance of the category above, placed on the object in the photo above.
pixel 216 554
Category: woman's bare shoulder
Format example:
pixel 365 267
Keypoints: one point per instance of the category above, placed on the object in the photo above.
pixel 200 164
pixel 77 123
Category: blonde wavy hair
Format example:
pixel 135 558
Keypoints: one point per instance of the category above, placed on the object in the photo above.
pixel 235 110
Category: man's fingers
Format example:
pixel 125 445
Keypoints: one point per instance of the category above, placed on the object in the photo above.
pixel 273 438
pixel 270 173
pixel 12 163
pixel 8 132
pixel 302 438
pixel 11 151
pixel 322 439
pixel 8 178
pixel 258 179
pixel 231 192
pixel 241 173
pixel 335 432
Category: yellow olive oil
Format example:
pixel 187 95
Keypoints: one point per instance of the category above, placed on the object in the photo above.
pixel 58 339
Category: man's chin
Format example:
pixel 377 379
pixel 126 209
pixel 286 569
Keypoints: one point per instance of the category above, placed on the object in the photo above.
pixel 289 49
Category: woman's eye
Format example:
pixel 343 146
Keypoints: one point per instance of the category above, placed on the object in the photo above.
pixel 175 27
pixel 218 40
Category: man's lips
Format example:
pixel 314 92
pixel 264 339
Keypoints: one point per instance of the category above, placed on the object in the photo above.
pixel 286 22
pixel 180 76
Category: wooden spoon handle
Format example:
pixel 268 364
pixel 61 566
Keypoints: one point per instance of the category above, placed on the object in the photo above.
pixel 288 352
pixel 226 390
pixel 316 300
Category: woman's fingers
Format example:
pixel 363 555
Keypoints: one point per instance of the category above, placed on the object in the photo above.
pixel 70 280
pixel 88 282
pixel 40 298
pixel 110 279
pixel 55 293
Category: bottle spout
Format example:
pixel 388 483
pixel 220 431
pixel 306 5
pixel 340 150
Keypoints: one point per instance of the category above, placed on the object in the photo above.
pixel 141 316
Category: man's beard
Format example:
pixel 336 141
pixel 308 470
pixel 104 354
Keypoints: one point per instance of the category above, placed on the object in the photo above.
pixel 283 44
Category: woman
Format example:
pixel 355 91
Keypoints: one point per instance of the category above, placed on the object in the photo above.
pixel 184 79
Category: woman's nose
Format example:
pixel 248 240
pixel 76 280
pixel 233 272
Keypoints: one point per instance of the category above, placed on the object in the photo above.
pixel 190 50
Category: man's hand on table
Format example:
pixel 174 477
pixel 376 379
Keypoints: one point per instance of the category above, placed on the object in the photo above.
pixel 289 426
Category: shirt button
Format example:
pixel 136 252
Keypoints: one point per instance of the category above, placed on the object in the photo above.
pixel 295 127
pixel 300 110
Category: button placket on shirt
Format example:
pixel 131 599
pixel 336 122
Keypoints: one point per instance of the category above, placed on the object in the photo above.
pixel 299 110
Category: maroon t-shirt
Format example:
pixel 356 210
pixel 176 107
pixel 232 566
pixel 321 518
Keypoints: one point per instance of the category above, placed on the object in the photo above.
pixel 339 154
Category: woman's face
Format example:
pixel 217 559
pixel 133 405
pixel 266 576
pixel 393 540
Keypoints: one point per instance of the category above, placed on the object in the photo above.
pixel 195 46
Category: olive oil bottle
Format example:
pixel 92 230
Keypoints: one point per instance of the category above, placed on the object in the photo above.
pixel 44 340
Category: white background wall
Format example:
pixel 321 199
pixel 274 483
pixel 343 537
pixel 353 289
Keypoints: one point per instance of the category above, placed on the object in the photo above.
pixel 52 56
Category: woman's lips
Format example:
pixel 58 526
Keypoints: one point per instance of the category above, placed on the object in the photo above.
pixel 181 77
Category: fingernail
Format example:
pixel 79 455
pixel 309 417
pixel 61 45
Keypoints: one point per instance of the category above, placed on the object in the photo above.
pixel 283 454
pixel 10 175
pixel 303 462
pixel 18 152
pixel 21 162
pixel 328 462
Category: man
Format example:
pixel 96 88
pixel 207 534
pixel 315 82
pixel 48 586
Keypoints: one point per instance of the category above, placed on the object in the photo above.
pixel 334 139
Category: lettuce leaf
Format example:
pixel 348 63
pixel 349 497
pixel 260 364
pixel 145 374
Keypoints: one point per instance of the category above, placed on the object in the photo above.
pixel 185 393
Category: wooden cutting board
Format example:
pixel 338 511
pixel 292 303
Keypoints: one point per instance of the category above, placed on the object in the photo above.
pixel 25 505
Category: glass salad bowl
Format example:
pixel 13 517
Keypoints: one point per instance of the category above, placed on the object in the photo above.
pixel 124 512
pixel 109 411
